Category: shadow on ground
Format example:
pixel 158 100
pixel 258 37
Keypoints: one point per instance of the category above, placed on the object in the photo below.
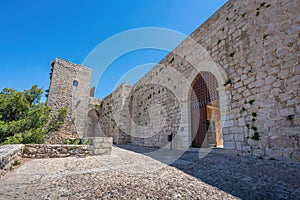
pixel 243 177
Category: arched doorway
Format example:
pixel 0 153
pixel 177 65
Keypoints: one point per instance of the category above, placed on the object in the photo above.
pixel 205 112
pixel 93 126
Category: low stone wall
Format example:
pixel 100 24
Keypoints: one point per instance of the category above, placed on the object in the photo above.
pixel 55 151
pixel 97 146
pixel 101 145
pixel 9 154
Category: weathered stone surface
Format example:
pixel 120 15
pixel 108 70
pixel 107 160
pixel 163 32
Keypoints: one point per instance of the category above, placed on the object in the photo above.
pixel 283 142
pixel 296 155
pixel 70 87
pixel 296 120
pixel 8 155
pixel 258 153
pixel 239 137
pixel 55 151
pixel 274 152
pixel 114 117
pixel 228 137
pixel 130 175
pixel 249 47
pixel 229 145
pixel 101 145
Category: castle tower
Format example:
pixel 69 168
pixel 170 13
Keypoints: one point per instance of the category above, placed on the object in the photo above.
pixel 70 86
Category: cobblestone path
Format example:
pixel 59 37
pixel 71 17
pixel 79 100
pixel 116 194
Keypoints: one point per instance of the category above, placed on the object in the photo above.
pixel 131 175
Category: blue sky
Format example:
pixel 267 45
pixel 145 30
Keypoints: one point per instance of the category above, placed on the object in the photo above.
pixel 34 33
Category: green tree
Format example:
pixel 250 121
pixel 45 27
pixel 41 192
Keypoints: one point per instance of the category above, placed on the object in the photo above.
pixel 24 119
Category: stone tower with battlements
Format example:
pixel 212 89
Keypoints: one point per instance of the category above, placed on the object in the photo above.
pixel 70 86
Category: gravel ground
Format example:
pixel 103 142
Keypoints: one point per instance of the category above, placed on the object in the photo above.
pixel 129 175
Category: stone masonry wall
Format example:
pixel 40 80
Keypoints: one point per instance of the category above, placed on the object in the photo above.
pixel 64 92
pixel 93 127
pixel 114 118
pixel 97 146
pixel 10 155
pixel 253 44
pixel 256 43
pixel 55 151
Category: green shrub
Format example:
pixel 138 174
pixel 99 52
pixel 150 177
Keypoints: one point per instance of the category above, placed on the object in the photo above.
pixel 67 141
pixel 256 136
pixel 24 119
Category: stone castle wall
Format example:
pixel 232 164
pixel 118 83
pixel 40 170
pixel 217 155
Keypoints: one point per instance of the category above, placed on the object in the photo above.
pixel 250 47
pixel 114 117
pixel 256 43
pixel 252 44
pixel 75 95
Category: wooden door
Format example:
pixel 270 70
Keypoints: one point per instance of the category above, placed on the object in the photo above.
pixel 199 126
pixel 203 95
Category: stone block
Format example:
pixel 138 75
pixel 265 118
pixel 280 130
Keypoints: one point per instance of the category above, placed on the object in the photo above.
pixel 295 155
pixel 276 91
pixel 270 80
pixel 239 137
pixel 241 122
pixel 283 74
pixel 249 80
pixel 282 142
pixel 229 145
pixel 296 120
pixel 282 52
pixel 30 150
pixel 274 152
pixel 277 83
pixel 236 130
pixel 258 152
pixel 228 137
pixel 225 131
pixel 228 123
pixel 105 151
pixel 246 148
pixel 238 84
pixel 238 145
pixel 285 96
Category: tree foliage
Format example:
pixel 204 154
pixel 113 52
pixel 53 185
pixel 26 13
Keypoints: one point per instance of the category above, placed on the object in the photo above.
pixel 24 119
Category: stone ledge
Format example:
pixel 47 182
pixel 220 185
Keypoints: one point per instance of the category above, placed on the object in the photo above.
pixel 8 155
pixel 101 145
pixel 97 146
pixel 55 151
pixel 11 153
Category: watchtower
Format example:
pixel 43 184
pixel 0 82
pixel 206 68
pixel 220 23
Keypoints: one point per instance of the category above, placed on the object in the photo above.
pixel 70 86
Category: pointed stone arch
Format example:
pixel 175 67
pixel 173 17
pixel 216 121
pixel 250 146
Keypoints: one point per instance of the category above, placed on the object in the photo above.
pixel 205 115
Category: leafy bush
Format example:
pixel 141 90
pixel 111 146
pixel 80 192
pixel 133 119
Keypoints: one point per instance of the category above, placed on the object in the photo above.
pixel 67 141
pixel 24 119
pixel 75 141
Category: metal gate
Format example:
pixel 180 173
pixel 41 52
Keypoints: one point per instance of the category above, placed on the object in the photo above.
pixel 205 112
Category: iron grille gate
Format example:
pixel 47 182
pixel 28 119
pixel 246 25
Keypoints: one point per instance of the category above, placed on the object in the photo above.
pixel 204 99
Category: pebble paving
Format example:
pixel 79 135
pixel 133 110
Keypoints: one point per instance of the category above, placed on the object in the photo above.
pixel 132 172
